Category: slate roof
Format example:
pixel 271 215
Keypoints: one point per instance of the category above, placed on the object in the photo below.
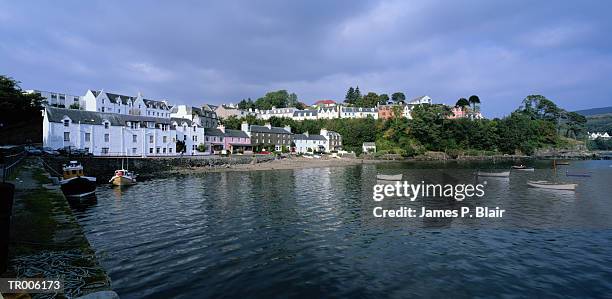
pixel 116 98
pixel 155 104
pixel 264 129
pixel 305 113
pixel 179 121
pixel 309 137
pixel 92 117
pixel 369 144
pixel 236 133
pixel 213 132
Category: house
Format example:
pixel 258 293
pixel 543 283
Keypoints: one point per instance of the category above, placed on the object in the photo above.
pixel 236 141
pixel 204 116
pixel 598 135
pixel 325 142
pixel 369 147
pixel 277 112
pixel 268 136
pixel 420 100
pixel 464 112
pixel 214 139
pixel 388 111
pixel 325 103
pixel 305 114
pixel 225 111
pixel 329 112
pixel 108 133
pixel 57 99
pixel 190 133
pixel 156 108
pixel 358 112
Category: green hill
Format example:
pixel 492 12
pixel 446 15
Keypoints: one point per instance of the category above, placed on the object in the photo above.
pixel 595 111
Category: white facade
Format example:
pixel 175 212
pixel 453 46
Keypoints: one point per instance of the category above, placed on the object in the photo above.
pixel 305 114
pixel 326 141
pixel 58 99
pixel 105 102
pixel 191 134
pixel 358 112
pixel 329 112
pixel 106 134
pixel 277 112
pixel 596 135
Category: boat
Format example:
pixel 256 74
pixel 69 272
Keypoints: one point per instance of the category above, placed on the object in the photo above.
pixel 523 168
pixel 123 177
pixel 579 174
pixel 551 185
pixel 74 183
pixel 389 177
pixel 561 162
pixel 502 174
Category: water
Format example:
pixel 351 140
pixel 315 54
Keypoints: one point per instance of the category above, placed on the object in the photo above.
pixel 311 233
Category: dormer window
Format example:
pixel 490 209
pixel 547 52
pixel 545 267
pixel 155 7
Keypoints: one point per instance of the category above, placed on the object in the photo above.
pixel 106 125
pixel 66 122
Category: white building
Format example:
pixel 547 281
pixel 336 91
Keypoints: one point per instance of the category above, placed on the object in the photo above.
pixel 325 142
pixel 369 147
pixel 596 135
pixel 191 133
pixel 277 112
pixel 204 116
pixel 329 112
pixel 101 101
pixel 305 114
pixel 358 112
pixel 57 99
pixel 108 133
pixel 420 100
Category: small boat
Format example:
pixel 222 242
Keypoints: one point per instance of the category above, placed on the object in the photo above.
pixel 389 177
pixel 502 174
pixel 522 168
pixel 579 174
pixel 123 177
pixel 561 162
pixel 74 183
pixel 551 185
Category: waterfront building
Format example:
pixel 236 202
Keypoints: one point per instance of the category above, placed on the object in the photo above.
pixel 106 134
pixel 236 141
pixel 369 147
pixel 190 133
pixel 58 99
pixel 106 102
pixel 358 112
pixel 324 142
pixel 214 140
pixel 272 138
pixel 204 116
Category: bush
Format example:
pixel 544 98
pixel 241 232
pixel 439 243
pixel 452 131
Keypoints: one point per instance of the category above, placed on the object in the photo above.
pixel 201 147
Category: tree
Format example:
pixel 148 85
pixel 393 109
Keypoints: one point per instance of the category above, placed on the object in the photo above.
pixel 350 96
pixel 17 106
pixel 369 100
pixel 462 103
pixel 474 100
pixel 75 106
pixel 201 147
pixel 398 97
pixel 357 94
pixel 383 99
pixel 180 146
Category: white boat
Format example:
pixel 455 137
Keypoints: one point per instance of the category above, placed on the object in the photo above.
pixel 389 177
pixel 503 174
pixel 551 185
pixel 525 169
pixel 74 183
pixel 123 177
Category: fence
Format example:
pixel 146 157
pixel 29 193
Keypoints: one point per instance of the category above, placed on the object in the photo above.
pixel 9 161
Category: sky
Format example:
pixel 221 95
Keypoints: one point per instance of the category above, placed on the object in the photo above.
pixel 196 52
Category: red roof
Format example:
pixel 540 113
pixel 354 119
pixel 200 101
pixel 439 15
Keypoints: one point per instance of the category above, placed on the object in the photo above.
pixel 325 102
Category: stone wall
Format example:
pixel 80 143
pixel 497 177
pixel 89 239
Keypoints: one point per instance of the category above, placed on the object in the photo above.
pixel 103 168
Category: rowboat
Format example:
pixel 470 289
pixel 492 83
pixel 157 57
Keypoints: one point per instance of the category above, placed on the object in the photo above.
pixel 551 185
pixel 522 168
pixel 579 174
pixel 389 177
pixel 503 174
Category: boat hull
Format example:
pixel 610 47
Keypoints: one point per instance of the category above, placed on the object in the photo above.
pixel 544 185
pixel 385 177
pixel 504 174
pixel 122 181
pixel 78 187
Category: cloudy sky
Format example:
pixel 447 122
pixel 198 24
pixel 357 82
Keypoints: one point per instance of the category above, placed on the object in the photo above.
pixel 221 52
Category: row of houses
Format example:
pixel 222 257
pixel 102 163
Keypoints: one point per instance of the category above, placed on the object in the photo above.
pixel 118 134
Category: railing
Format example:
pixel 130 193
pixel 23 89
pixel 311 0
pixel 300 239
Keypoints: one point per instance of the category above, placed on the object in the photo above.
pixel 9 162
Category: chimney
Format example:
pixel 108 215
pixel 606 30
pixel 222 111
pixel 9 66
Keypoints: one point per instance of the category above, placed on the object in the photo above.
pixel 244 127
pixel 306 133
pixel 268 125
pixel 288 128
pixel 222 128
pixel 323 132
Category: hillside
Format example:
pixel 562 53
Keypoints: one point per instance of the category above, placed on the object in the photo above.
pixel 595 111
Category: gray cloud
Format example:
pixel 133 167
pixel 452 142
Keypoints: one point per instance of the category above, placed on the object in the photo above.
pixel 216 52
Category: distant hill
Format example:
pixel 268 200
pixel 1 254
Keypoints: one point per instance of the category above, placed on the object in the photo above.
pixel 595 111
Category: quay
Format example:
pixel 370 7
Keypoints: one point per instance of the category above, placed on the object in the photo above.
pixel 46 240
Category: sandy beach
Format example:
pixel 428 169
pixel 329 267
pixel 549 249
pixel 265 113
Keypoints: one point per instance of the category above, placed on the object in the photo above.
pixel 288 163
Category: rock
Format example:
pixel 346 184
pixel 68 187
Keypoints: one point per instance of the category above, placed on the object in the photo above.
pixel 100 295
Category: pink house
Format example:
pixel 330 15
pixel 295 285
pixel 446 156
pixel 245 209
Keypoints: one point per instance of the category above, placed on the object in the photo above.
pixel 236 141
pixel 461 112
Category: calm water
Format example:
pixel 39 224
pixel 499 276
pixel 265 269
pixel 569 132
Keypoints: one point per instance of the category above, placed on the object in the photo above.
pixel 311 233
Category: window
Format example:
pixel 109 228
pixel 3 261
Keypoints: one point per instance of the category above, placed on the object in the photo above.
pixel 157 150
pixel 164 150
pixel 150 138
pixel 66 122
pixel 150 150
pixel 106 124
pixel 76 99
pixel 184 137
pixel 170 150
pixel 102 109
pixel 87 137
pixel 54 96
pixel 194 137
pixel 164 139
pixel 66 136
pixel 134 138
pixel 86 149
pixel 106 137
pixel 194 128
pixel 133 150
pixel 105 150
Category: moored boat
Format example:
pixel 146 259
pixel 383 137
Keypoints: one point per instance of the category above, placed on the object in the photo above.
pixel 74 184
pixel 522 168
pixel 123 177
pixel 389 177
pixel 551 185
pixel 502 174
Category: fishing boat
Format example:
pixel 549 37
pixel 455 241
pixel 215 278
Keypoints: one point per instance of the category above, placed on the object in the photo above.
pixel 522 168
pixel 74 183
pixel 551 185
pixel 503 174
pixel 578 174
pixel 123 177
pixel 389 177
